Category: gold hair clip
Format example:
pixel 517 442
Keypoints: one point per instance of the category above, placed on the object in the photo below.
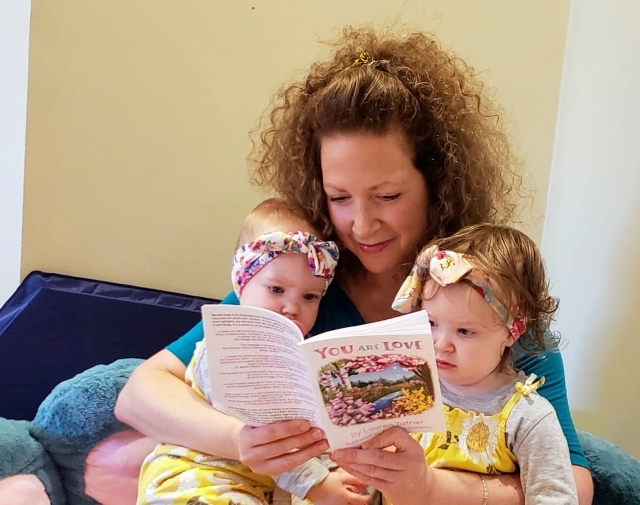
pixel 362 59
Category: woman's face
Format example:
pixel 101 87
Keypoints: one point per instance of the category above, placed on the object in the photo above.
pixel 377 199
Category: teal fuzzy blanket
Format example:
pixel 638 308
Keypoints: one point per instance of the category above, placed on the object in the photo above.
pixel 78 414
pixel 71 421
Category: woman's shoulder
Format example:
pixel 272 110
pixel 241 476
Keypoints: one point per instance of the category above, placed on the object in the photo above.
pixel 548 364
pixel 184 347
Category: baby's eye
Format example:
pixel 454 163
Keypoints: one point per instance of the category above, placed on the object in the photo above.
pixel 464 332
pixel 311 297
pixel 276 290
pixel 433 324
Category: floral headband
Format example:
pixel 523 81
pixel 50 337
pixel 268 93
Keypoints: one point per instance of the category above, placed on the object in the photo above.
pixel 255 255
pixel 442 268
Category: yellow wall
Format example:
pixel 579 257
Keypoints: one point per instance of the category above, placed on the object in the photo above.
pixel 138 113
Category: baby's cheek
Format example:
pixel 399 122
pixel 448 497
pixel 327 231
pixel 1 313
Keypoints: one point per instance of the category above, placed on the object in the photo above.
pixel 303 327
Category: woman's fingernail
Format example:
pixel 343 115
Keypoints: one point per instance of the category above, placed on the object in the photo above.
pixel 316 434
pixel 324 446
pixel 338 454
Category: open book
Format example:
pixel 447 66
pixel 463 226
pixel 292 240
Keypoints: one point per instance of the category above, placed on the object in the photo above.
pixel 353 382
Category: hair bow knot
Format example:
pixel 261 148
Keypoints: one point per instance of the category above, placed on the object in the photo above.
pixel 322 256
pixel 442 268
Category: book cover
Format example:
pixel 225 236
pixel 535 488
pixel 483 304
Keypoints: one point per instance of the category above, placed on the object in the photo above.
pixel 353 382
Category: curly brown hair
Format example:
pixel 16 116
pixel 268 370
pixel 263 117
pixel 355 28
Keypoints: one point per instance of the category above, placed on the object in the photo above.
pixel 406 82
pixel 513 263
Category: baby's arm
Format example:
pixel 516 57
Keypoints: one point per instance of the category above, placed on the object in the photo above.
pixel 302 478
pixel 543 454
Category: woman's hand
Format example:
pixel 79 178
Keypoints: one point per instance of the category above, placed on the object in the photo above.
pixel 393 463
pixel 271 449
pixel 404 478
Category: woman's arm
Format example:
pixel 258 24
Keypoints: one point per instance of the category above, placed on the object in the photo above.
pixel 457 488
pixel 584 484
pixel 158 402
pixel 404 478
pixel 461 488
pixel 450 487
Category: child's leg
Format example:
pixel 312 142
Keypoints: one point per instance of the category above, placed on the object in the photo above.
pixel 174 475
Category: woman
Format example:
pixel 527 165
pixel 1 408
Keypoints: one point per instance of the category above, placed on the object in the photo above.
pixel 387 145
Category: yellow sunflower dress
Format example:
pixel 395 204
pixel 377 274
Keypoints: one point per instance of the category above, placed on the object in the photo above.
pixel 507 430
pixel 474 441
pixel 174 475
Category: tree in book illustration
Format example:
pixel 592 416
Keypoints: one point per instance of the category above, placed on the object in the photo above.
pixel 373 387
pixel 338 370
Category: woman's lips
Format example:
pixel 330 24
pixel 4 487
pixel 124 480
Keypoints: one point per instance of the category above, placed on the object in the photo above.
pixel 373 248
pixel 444 365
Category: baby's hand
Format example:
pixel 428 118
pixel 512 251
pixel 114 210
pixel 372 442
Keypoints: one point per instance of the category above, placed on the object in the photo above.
pixel 339 488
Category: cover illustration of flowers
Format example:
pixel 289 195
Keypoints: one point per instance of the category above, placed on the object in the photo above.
pixel 374 387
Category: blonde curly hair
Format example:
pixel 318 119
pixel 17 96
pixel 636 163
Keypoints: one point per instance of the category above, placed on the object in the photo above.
pixel 379 82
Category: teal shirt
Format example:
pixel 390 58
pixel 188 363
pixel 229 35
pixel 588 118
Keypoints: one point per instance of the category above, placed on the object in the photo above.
pixel 337 311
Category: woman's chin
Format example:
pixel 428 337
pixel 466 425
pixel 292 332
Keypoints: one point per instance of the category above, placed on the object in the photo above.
pixel 379 267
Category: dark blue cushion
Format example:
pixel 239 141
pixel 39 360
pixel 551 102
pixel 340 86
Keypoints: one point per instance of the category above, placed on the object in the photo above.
pixel 56 326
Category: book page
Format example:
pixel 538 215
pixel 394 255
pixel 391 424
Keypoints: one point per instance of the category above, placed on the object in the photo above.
pixel 408 323
pixel 369 378
pixel 256 369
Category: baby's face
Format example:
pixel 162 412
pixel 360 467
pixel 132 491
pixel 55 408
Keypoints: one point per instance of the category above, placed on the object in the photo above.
pixel 468 336
pixel 287 286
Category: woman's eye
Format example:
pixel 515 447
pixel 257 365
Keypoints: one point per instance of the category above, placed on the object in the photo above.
pixel 390 198
pixel 276 289
pixel 338 199
pixel 311 297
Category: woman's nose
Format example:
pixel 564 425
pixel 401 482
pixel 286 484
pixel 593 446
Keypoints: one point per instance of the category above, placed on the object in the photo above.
pixel 364 220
